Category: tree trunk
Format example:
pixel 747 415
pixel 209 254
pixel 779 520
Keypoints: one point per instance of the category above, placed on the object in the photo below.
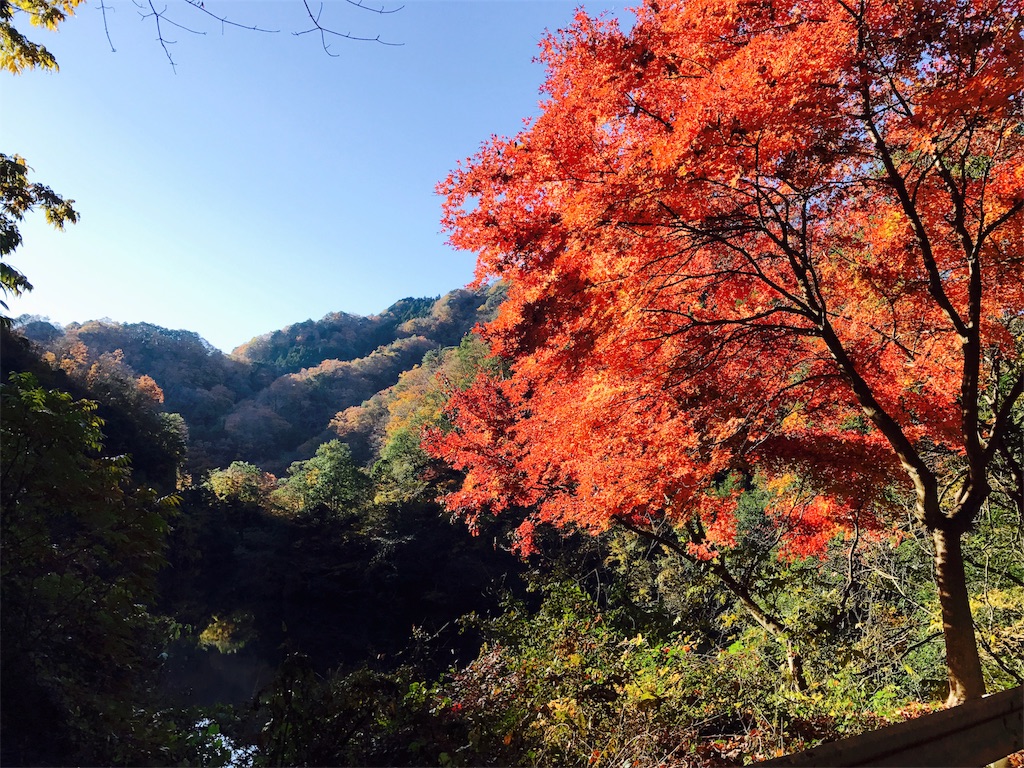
pixel 962 660
pixel 795 669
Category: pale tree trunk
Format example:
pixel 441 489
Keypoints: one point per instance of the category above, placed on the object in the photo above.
pixel 962 659
pixel 795 669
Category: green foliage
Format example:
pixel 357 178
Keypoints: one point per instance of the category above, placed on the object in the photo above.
pixel 398 473
pixel 863 612
pixel 579 680
pixel 197 380
pixel 341 588
pixel 359 718
pixel 411 308
pixel 272 400
pixel 331 366
pixel 81 548
pixel 244 482
pixel 330 483
pixel 653 661
pixel 228 634
pixel 134 421
pixel 205 736
pixel 415 403
pixel 19 196
pixel 343 337
pixel 569 685
pixel 204 743
pixel 995 567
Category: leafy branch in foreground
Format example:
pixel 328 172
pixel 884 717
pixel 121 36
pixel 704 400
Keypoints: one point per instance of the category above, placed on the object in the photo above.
pixel 19 196
pixel 81 547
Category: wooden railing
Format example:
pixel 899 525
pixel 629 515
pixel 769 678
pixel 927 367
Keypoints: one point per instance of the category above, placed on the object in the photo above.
pixel 973 734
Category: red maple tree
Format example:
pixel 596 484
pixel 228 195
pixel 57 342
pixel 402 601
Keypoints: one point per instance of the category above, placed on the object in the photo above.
pixel 756 236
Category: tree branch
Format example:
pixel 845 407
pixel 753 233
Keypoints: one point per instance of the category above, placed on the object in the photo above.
pixel 324 31
pixel 200 6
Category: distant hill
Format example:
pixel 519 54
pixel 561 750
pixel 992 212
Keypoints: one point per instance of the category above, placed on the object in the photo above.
pixel 271 400
pixel 336 336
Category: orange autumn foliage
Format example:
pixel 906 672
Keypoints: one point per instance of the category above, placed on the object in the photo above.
pixel 760 236
pixel 149 389
pixel 701 220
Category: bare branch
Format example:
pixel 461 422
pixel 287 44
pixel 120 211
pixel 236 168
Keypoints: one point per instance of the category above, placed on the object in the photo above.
pixel 324 31
pixel 1003 418
pixel 200 6
pixel 898 184
pixel 157 16
pixel 147 10
pixel 106 29
pixel 382 10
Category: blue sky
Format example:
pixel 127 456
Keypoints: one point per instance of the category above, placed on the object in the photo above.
pixel 264 182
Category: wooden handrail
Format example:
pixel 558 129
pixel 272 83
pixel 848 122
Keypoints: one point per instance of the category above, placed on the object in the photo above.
pixel 973 734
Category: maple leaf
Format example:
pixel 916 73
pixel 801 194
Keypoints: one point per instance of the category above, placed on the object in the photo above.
pixel 782 238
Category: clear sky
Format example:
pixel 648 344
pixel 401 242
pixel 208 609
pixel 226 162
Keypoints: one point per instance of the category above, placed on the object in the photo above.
pixel 264 182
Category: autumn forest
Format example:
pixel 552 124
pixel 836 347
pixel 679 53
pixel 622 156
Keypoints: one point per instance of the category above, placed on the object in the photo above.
pixel 720 457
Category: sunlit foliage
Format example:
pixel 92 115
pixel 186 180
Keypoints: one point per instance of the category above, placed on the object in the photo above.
pixel 17 52
pixel 755 238
pixel 18 197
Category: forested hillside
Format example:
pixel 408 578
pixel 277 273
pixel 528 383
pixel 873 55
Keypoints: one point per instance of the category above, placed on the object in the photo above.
pixel 333 613
pixel 270 401
pixel 333 565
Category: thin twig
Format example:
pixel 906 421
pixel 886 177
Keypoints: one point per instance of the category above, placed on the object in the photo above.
pixel 200 6
pixel 995 656
pixel 103 9
pixel 382 10
pixel 157 16
pixel 324 31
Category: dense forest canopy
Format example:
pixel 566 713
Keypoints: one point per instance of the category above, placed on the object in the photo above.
pixel 326 579
pixel 327 583
pixel 270 401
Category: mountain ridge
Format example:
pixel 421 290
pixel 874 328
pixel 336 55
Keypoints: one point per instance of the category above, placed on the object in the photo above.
pixel 270 400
